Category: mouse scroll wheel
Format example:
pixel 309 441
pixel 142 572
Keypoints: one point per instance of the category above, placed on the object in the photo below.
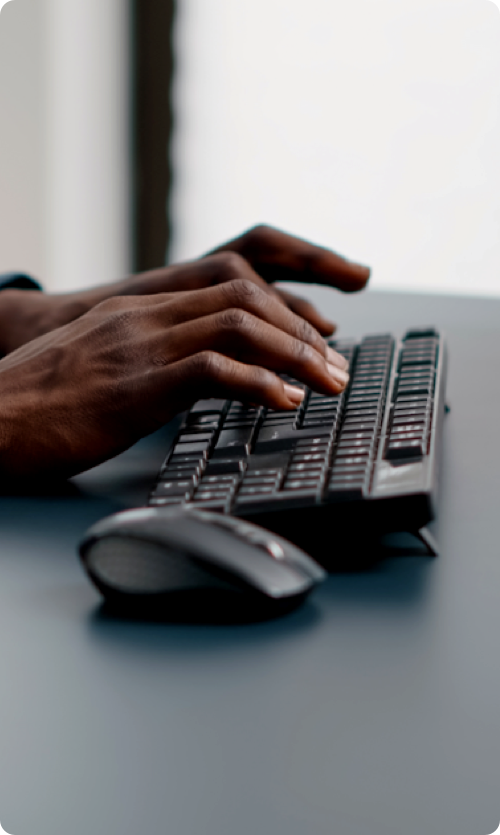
pixel 275 550
pixel 270 545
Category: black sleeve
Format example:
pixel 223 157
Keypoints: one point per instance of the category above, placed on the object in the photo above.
pixel 18 281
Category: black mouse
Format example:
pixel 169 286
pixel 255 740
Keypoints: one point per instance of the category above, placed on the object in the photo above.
pixel 182 564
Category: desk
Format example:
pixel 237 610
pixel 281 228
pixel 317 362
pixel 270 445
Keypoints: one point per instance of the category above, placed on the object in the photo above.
pixel 375 708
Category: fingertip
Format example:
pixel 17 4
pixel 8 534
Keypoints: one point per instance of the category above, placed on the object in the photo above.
pixel 361 275
pixel 294 394
pixel 326 328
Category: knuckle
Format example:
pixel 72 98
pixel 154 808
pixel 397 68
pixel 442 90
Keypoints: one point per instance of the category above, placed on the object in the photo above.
pixel 234 319
pixel 115 304
pixel 259 235
pixel 243 291
pixel 307 333
pixel 304 353
pixel 230 264
pixel 208 364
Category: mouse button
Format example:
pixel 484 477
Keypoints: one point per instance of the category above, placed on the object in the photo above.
pixel 301 560
pixel 249 533
pixel 120 524
pixel 218 547
pixel 276 546
pixel 251 564
pixel 137 566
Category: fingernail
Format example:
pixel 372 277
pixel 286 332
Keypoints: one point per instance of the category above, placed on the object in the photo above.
pixel 293 393
pixel 338 375
pixel 363 271
pixel 336 359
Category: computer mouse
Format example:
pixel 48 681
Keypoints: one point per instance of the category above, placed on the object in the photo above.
pixel 193 565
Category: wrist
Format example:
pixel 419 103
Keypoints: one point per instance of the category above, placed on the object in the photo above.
pixel 9 305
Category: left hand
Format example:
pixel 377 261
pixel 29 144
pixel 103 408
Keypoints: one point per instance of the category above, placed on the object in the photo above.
pixel 269 255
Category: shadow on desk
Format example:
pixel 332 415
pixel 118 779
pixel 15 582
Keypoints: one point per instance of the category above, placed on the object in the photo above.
pixel 159 637
pixel 396 586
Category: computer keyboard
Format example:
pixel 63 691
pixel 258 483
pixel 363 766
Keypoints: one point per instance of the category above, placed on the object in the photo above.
pixel 337 470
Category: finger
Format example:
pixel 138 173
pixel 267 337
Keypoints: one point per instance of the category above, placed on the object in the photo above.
pixel 242 336
pixel 246 295
pixel 306 310
pixel 209 271
pixel 210 374
pixel 277 256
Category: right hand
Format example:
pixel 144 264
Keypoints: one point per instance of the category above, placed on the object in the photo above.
pixel 88 390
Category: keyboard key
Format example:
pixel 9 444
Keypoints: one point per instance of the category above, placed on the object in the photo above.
pixel 257 490
pixel 195 448
pixel 321 412
pixel 358 472
pixel 361 413
pixel 416 389
pixel 313 443
pixel 404 410
pixel 352 434
pixel 349 443
pixel 405 449
pixel 174 488
pixel 278 438
pixel 211 495
pixel 364 400
pixel 174 471
pixel 212 480
pixel 233 442
pixel 354 461
pixel 413 400
pixel 208 407
pixel 224 465
pixel 345 490
pixel 263 481
pixel 365 388
pixel 215 505
pixel 190 438
pixel 359 426
pixel 202 421
pixel 423 333
pixel 407 436
pixel 187 460
pixel 237 424
pixel 317 423
pixel 418 359
pixel 264 473
pixel 320 399
pixel 164 501
pixel 279 421
pixel 282 500
pixel 301 468
pixel 408 425
pixel 301 484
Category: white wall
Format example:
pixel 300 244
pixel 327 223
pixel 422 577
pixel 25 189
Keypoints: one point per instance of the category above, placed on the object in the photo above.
pixel 64 140
pixel 370 126
pixel 23 244
pixel 88 81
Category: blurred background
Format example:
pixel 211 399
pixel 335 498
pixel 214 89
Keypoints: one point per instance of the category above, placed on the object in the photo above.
pixel 137 132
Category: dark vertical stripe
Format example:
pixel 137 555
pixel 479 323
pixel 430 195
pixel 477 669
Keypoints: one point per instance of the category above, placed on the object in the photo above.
pixel 152 24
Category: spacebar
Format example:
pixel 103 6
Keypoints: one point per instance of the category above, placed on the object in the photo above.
pixel 276 438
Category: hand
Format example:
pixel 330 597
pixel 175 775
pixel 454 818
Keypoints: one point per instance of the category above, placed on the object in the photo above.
pixel 263 255
pixel 88 390
pixel 272 256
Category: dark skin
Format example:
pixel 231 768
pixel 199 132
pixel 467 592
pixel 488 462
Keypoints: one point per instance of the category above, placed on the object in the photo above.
pixel 88 374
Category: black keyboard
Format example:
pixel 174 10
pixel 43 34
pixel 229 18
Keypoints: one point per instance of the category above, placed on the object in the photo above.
pixel 339 471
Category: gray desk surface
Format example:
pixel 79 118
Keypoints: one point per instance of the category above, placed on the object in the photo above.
pixel 375 708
